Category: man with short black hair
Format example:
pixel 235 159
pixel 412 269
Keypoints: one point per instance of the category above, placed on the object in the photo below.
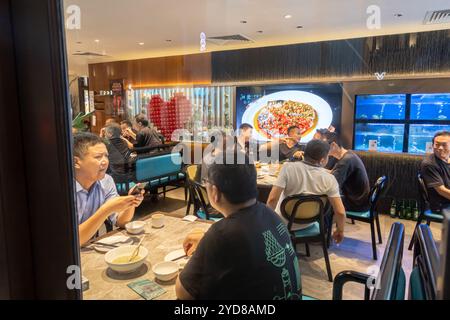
pixel 435 171
pixel 246 255
pixel 145 137
pixel 126 125
pixel 308 177
pixel 351 175
pixel 120 156
pixel 321 134
pixel 243 140
pixel 290 148
pixel 97 197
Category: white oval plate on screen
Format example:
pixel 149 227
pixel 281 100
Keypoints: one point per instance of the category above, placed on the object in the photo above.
pixel 323 109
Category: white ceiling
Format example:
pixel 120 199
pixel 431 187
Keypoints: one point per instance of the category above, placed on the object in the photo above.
pixel 120 25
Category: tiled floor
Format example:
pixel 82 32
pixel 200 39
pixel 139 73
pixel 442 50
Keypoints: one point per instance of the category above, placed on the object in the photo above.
pixel 354 253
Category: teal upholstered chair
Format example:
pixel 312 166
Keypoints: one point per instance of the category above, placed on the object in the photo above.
pixel 371 216
pixel 307 209
pixel 390 282
pixel 425 213
pixel 160 170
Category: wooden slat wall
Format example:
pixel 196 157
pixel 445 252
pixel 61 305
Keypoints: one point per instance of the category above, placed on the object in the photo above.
pixel 166 71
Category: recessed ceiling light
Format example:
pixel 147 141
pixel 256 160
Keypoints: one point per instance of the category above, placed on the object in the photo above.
pixel 168 40
pixel 141 43
pixel 79 42
pixel 398 15
pixel 288 16
pixel 260 31
pixel 96 40
pixel 243 21
pixel 299 27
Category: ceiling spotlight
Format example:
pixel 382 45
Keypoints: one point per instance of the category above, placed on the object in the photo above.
pixel 168 40
pixel 299 27
pixel 398 15
pixel 96 40
pixel 141 43
pixel 288 16
pixel 79 42
pixel 260 31
pixel 243 21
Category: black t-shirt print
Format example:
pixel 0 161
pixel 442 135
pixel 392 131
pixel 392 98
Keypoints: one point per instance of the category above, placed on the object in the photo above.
pixel 435 173
pixel 248 255
pixel 351 175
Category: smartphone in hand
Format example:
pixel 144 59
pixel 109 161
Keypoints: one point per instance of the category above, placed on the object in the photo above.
pixel 136 190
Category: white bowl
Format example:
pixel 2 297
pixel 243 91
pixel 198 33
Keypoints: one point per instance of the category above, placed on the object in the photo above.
pixel 122 251
pixel 166 271
pixel 135 227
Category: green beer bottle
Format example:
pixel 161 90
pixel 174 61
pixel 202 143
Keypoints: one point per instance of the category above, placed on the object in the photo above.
pixel 402 210
pixel 409 211
pixel 393 210
pixel 415 211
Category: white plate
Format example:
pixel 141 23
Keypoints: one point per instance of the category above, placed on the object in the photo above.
pixel 114 240
pixel 176 254
pixel 324 112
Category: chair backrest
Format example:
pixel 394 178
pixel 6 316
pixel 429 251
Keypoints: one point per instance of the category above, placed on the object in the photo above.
pixel 191 172
pixel 424 200
pixel 303 209
pixel 377 190
pixel 426 264
pixel 391 282
pixel 158 166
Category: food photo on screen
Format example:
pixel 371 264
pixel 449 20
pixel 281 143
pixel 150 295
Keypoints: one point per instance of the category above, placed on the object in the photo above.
pixel 271 110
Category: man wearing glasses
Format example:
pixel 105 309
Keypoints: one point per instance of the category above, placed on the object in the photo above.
pixel 435 170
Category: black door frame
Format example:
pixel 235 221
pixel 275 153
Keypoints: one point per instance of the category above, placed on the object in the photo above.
pixel 38 227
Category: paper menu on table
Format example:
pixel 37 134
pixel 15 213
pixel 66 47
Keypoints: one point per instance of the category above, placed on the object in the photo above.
pixel 190 218
pixel 373 145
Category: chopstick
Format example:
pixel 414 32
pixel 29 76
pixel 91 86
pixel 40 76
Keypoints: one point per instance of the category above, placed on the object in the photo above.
pixel 136 251
pixel 180 257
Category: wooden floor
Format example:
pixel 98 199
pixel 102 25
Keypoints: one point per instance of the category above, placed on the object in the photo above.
pixel 354 253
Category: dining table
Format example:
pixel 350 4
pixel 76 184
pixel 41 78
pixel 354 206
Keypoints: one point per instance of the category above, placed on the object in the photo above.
pixel 267 174
pixel 106 284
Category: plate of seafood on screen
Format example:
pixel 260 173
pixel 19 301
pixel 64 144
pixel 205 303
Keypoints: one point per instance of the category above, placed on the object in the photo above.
pixel 273 114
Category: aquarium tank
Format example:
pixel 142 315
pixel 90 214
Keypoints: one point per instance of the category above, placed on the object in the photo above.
pixel 400 122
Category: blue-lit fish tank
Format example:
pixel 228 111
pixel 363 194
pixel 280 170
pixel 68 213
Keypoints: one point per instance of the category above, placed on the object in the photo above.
pixel 430 107
pixel 420 134
pixel 384 118
pixel 380 107
pixel 389 137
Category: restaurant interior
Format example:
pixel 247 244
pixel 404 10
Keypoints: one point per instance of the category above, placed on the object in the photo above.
pixel 159 88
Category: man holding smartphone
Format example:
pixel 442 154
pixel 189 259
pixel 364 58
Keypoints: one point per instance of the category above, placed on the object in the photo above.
pixel 97 197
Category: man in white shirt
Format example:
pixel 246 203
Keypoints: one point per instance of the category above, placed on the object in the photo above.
pixel 309 177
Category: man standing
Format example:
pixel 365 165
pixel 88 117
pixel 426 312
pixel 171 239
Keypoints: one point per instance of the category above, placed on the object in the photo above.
pixel 351 175
pixel 435 171
pixel 243 140
pixel 97 197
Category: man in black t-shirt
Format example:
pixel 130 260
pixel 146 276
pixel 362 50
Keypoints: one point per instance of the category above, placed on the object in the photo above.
pixel 435 171
pixel 246 255
pixel 145 136
pixel 290 148
pixel 351 175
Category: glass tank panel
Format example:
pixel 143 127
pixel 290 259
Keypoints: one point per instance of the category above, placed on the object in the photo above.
pixel 381 107
pixel 389 136
pixel 430 106
pixel 420 134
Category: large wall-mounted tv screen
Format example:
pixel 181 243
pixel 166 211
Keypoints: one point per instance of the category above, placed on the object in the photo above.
pixel 272 109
